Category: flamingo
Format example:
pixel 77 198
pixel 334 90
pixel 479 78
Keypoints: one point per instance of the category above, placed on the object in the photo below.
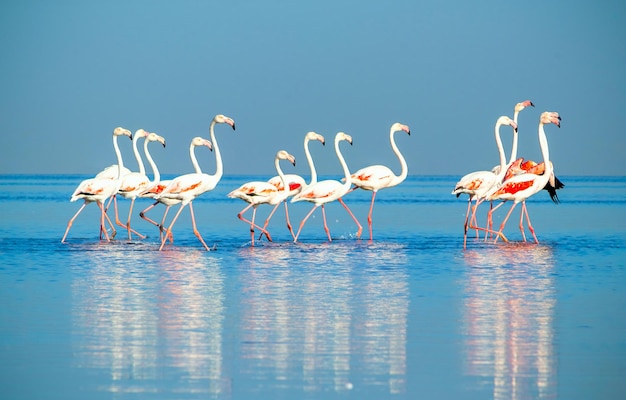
pixel 99 189
pixel 295 182
pixel 187 187
pixel 477 184
pixel 256 193
pixel 158 186
pixel 134 183
pixel 326 191
pixel 376 177
pixel 520 187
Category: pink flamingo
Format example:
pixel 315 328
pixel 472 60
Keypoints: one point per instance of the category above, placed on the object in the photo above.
pixel 376 177
pixel 329 190
pixel 295 182
pixel 257 193
pixel 477 184
pixel 158 185
pixel 99 189
pixel 187 187
pixel 520 187
pixel 135 183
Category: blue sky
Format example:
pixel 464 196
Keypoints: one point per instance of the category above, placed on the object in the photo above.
pixel 74 70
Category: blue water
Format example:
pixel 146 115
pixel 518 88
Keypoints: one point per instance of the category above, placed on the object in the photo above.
pixel 410 315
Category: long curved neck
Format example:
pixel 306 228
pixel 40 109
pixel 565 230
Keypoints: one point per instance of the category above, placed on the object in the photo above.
pixel 405 169
pixel 500 150
pixel 218 157
pixel 155 170
pixel 346 171
pixel 194 161
pixel 545 151
pixel 281 175
pixel 514 144
pixel 120 163
pixel 309 159
pixel 142 169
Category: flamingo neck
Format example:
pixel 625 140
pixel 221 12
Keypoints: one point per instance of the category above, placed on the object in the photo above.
pixel 155 170
pixel 194 161
pixel 501 151
pixel 545 151
pixel 282 176
pixel 309 159
pixel 346 171
pixel 405 170
pixel 142 169
pixel 218 157
pixel 515 139
pixel 120 162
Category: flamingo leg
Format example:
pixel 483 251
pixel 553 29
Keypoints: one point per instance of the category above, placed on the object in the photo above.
pixel 195 230
pixel 325 225
pixel 142 214
pixel 369 215
pixel 288 221
pixel 267 221
pixel 168 230
pixel 71 221
pixel 358 233
pixel 252 224
pixel 521 221
pixel 467 215
pixel 162 229
pixel 530 227
pixel 130 212
pixel 117 218
pixel 504 222
pixel 113 231
pixel 102 227
pixel 303 221
pixel 490 220
pixel 473 222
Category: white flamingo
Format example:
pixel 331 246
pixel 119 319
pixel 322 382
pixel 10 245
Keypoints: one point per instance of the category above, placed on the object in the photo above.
pixel 257 193
pixel 295 182
pixel 99 189
pixel 187 187
pixel 376 177
pixel 329 190
pixel 158 185
pixel 520 187
pixel 477 184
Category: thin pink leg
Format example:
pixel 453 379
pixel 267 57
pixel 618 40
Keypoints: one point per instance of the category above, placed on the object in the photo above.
pixel 303 221
pixel 369 215
pixel 521 221
pixel 102 214
pixel 325 225
pixel 142 214
pixel 504 222
pixel 168 230
pixel 467 215
pixel 195 230
pixel 252 224
pixel 530 226
pixel 490 220
pixel 360 230
pixel 267 221
pixel 71 221
pixel 288 221
pixel 130 212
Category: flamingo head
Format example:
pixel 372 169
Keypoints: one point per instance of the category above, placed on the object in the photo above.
pixel 198 141
pixel 153 137
pixel 119 131
pixel 343 136
pixel 222 119
pixel 283 155
pixel 550 117
pixel 504 120
pixel 140 133
pixel 315 136
pixel 520 106
pixel 400 127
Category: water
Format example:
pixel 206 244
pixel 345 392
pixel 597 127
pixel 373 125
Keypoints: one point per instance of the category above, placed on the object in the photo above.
pixel 409 315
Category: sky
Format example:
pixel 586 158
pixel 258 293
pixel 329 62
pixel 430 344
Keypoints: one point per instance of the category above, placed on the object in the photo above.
pixel 72 71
